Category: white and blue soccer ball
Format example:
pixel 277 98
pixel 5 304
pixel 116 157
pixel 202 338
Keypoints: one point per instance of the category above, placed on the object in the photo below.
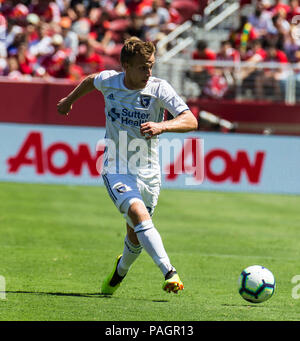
pixel 256 284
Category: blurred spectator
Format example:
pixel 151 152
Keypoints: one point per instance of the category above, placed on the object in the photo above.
pixel 222 79
pixel 281 29
pixel 12 31
pixel 70 38
pixel 217 85
pixel 255 54
pixel 88 59
pixel 31 27
pixel 42 44
pixel 17 12
pixel 100 33
pixel 266 4
pixel 261 19
pixel 70 71
pixel 18 39
pixel 202 52
pixel 294 11
pixel 54 61
pixel 161 12
pixel 12 69
pixel 136 27
pixel 227 52
pixel 138 6
pixel 279 6
pixel 226 78
pixel 175 17
pixel 3 26
pixel 200 73
pixel 3 65
pixel 273 54
pixel 47 10
pixel 280 23
pixel 25 59
pixel 154 18
pixel 268 82
pixel 291 45
pixel 243 35
pixel 81 23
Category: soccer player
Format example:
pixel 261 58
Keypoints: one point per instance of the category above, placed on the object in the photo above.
pixel 134 107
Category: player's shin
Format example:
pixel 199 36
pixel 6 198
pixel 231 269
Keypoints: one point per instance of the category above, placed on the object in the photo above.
pixel 151 241
pixel 130 254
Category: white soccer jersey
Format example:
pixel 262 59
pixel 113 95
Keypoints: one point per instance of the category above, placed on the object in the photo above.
pixel 127 151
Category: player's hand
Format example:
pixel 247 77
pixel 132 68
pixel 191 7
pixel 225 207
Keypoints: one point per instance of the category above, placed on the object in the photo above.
pixel 64 106
pixel 150 129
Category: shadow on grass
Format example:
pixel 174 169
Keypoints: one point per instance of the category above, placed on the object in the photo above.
pixel 72 294
pixel 254 305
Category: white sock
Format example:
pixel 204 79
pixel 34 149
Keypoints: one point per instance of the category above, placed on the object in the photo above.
pixel 130 254
pixel 151 241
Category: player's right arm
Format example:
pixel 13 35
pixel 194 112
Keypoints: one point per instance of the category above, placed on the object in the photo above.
pixel 83 88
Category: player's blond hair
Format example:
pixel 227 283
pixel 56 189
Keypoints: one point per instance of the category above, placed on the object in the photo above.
pixel 136 47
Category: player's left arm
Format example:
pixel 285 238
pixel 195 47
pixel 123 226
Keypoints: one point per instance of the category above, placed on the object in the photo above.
pixel 184 122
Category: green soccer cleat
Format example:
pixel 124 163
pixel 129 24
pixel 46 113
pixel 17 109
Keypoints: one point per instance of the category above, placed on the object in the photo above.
pixel 172 282
pixel 112 282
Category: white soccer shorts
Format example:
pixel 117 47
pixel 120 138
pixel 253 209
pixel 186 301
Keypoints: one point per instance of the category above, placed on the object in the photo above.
pixel 124 189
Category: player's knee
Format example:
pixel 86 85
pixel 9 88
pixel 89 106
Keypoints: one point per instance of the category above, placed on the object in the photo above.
pixel 138 212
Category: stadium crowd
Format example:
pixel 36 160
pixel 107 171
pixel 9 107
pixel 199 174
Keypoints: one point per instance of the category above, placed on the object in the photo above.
pixel 270 34
pixel 72 38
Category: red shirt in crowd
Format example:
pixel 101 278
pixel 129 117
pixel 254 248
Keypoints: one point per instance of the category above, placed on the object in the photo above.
pixel 279 7
pixel 71 72
pixel 292 13
pixel 53 63
pixel 137 6
pixel 230 55
pixel 278 57
pixel 26 65
pixel 259 54
pixel 48 11
pixel 207 54
pixel 90 63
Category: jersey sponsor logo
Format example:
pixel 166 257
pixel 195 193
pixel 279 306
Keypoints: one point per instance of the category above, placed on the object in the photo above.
pixel 134 118
pixel 145 100
pixel 127 117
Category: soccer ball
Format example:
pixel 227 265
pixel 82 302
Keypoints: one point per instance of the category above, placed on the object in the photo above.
pixel 256 284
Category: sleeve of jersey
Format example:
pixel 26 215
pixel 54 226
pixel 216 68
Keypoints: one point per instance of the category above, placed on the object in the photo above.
pixel 170 100
pixel 100 77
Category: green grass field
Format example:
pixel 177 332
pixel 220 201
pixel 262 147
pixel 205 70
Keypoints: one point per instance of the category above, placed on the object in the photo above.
pixel 58 242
